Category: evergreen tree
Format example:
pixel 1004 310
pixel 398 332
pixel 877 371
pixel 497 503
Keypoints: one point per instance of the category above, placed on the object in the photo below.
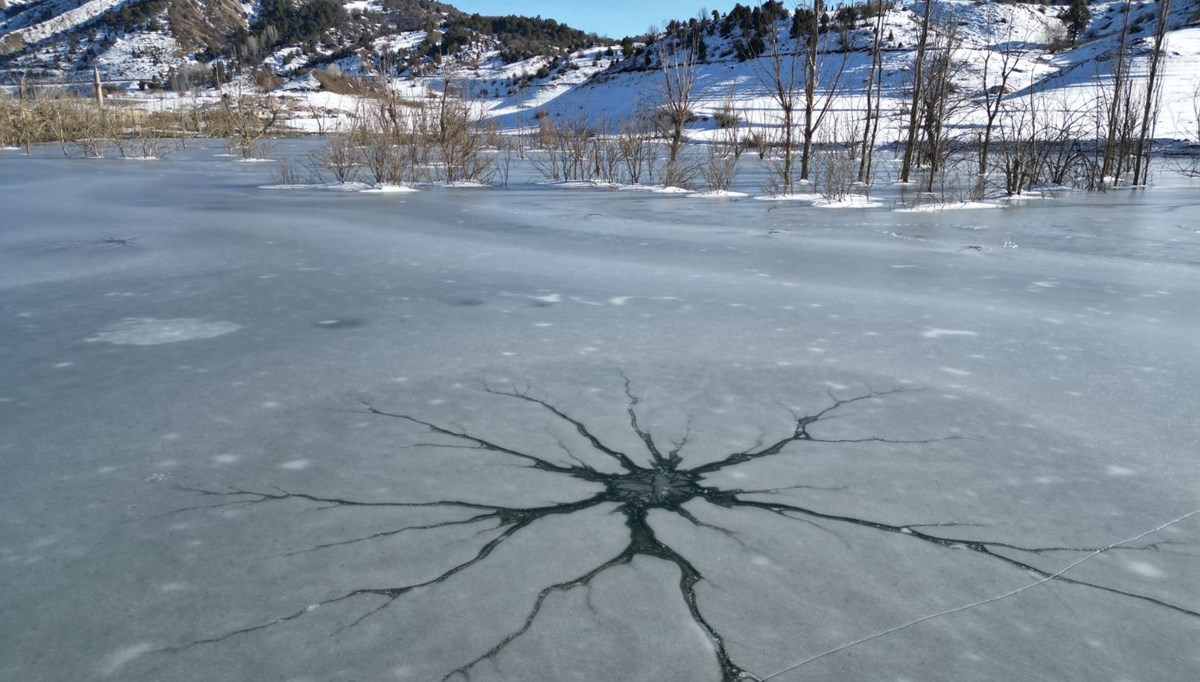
pixel 1076 18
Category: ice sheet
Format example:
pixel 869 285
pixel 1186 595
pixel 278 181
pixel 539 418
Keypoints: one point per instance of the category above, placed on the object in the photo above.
pixel 532 434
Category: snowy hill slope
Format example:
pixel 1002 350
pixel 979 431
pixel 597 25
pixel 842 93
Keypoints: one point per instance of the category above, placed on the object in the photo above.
pixel 149 39
pixel 1029 35
pixel 63 18
pixel 63 38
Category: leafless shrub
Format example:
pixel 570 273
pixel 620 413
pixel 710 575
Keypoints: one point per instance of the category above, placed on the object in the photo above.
pixel 506 149
pixel 566 153
pixel 606 158
pixel 81 127
pixel 637 152
pixel 727 116
pixel 461 141
pixel 149 143
pixel 285 173
pixel 773 150
pixel 248 119
pixel 758 141
pixel 1056 37
pixel 721 159
pixel 340 156
pixel 1188 164
pixel 377 139
pixel 836 164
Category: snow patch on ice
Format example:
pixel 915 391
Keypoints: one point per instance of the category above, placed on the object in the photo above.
pixel 389 189
pixel 115 661
pixel 952 206
pixel 804 196
pixel 853 201
pixel 934 333
pixel 1144 569
pixel 147 331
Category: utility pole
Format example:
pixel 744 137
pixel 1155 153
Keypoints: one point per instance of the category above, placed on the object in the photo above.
pixel 98 87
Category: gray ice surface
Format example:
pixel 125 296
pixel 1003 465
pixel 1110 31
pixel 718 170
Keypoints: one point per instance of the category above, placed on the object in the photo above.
pixel 224 409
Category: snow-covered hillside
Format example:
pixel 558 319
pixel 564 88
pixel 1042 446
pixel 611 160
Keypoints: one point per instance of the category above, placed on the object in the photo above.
pixel 1028 40
pixel 64 17
pixel 986 34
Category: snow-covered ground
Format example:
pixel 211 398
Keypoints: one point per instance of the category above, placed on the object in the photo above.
pixel 139 56
pixel 987 34
pixel 1055 83
pixel 255 434
pixel 67 15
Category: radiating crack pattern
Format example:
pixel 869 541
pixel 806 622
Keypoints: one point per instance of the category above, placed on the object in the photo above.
pixel 644 482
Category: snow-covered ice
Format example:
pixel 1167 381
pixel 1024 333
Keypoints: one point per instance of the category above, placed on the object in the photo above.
pixel 152 332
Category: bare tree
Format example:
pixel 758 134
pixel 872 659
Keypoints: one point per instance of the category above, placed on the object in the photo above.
pixel 677 56
pixel 1020 131
pixel 918 79
pixel 248 119
pixel 1039 142
pixel 1118 105
pixel 874 92
pixel 9 126
pixel 1064 159
pixel 1189 165
pixel 721 159
pixel 638 154
pixel 1196 110
pixel 1000 62
pixel 461 139
pixel 780 74
pixel 188 118
pixel 605 154
pixel 939 102
pixel 1153 95
pixel 818 76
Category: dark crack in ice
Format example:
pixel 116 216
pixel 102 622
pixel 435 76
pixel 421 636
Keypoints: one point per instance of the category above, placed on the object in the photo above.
pixel 657 479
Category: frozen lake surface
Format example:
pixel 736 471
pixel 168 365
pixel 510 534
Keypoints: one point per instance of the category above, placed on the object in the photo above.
pixel 549 434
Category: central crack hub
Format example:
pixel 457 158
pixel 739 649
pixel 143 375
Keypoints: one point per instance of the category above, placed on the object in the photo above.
pixel 655 488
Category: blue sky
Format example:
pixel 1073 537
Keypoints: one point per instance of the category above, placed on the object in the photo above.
pixel 614 18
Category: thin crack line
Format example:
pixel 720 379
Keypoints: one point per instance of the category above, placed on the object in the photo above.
pixel 983 547
pixel 660 462
pixel 983 602
pixel 580 427
pixel 391 533
pixel 536 462
pixel 800 434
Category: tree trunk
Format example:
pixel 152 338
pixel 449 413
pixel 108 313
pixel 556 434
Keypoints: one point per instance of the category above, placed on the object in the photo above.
pixel 1142 150
pixel 918 76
